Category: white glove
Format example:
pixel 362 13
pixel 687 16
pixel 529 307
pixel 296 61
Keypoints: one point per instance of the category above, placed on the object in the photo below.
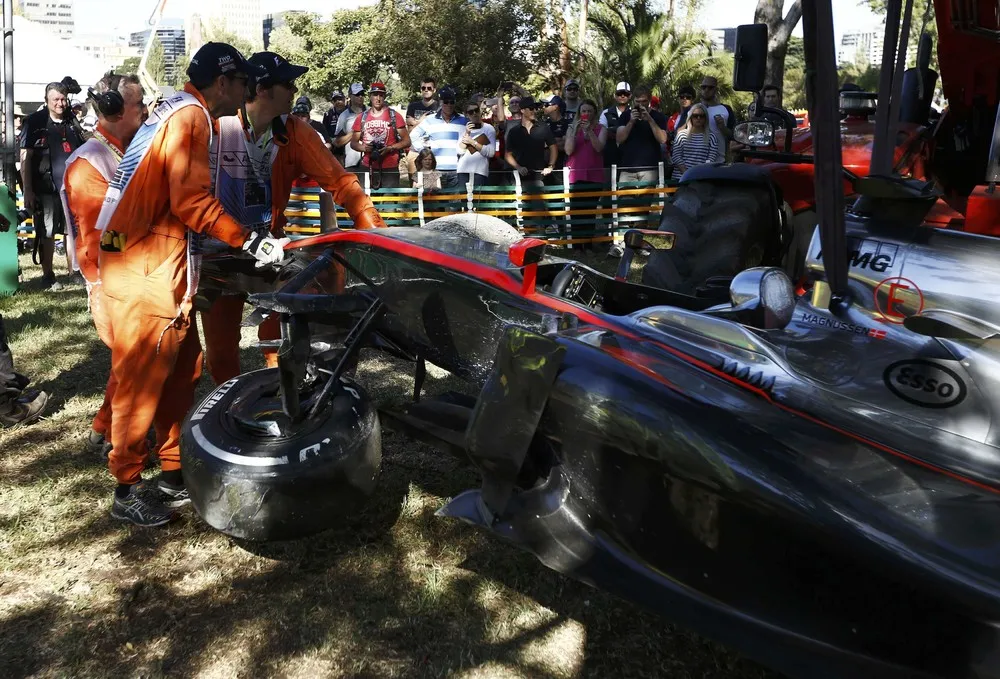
pixel 266 250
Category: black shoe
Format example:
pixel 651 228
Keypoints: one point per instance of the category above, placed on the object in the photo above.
pixel 23 410
pixel 172 497
pixel 142 506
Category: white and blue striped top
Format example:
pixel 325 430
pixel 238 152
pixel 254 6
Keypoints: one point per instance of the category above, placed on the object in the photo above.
pixel 442 137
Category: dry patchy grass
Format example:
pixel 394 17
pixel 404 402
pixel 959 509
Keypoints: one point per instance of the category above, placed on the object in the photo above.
pixel 395 592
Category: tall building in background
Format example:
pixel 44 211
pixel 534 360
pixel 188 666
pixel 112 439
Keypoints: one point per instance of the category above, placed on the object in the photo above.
pixel 273 22
pixel 723 39
pixel 239 17
pixel 56 15
pixel 867 45
pixel 171 35
pixel 111 52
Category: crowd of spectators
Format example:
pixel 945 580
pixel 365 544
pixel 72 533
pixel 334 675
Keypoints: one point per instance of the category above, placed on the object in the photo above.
pixel 460 138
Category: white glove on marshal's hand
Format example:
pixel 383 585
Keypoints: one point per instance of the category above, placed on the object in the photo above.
pixel 266 250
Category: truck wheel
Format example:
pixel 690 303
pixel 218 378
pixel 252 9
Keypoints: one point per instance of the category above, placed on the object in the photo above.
pixel 720 230
pixel 479 226
pixel 256 485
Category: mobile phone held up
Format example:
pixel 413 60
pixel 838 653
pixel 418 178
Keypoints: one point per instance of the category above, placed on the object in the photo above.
pixel 585 115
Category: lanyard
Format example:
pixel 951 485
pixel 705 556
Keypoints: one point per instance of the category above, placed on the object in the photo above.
pixel 104 140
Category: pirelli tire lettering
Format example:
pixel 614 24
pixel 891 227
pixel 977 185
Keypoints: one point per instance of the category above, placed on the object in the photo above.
pixel 253 476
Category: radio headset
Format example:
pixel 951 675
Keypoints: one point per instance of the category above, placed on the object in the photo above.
pixel 111 102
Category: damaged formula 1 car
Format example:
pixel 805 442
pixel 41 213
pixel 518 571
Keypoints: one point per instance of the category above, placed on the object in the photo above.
pixel 810 478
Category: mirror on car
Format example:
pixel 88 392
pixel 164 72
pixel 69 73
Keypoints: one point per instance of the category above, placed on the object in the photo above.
pixel 762 297
pixel 750 58
pixel 754 134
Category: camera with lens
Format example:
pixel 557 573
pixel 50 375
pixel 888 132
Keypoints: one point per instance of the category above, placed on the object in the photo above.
pixel 72 86
pixel 377 148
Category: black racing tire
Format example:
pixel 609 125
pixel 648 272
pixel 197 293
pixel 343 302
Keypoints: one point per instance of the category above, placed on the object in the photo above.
pixel 261 488
pixel 720 230
pixel 475 225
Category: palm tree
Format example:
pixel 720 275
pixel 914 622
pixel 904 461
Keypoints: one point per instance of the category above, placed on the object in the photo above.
pixel 641 45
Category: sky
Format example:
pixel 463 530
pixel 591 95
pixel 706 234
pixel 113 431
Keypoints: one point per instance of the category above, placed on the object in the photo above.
pixel 92 15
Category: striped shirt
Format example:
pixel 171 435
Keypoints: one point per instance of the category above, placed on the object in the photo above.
pixel 693 149
pixel 442 137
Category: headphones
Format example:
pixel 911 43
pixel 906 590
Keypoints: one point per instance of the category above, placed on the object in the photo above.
pixel 110 103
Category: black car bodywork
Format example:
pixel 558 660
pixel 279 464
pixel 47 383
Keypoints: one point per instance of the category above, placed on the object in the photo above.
pixel 643 442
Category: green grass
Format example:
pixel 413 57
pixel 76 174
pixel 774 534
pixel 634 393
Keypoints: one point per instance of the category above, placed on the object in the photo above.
pixel 394 592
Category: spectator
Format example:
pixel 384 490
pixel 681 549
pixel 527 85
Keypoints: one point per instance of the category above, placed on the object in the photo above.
pixel 721 119
pixel 338 104
pixel 572 99
pixel 771 95
pixel 554 109
pixel 695 143
pixel 531 148
pixel 611 119
pixel 425 106
pixel 585 141
pixel 475 148
pixel 48 137
pixel 685 97
pixel 514 106
pixel 380 134
pixel 641 131
pixel 303 110
pixel 497 162
pixel 442 131
pixel 427 173
pixel 345 128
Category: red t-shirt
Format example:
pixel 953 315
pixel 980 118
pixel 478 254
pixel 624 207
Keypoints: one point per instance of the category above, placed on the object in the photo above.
pixel 380 126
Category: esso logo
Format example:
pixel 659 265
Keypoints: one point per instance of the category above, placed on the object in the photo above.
pixel 925 383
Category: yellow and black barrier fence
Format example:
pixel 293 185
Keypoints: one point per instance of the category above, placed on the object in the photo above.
pixel 560 212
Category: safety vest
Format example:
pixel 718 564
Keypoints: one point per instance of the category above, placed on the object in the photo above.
pixel 134 156
pixel 105 159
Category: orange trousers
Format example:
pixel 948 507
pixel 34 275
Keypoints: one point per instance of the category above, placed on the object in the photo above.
pixel 221 324
pixel 102 323
pixel 157 364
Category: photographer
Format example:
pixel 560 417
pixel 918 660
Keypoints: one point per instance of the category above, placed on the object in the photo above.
pixel 640 134
pixel 48 137
pixel 380 134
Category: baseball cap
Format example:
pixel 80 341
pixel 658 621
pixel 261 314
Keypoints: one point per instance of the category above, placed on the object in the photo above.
pixel 529 102
pixel 377 87
pixel 686 90
pixel 304 101
pixel 301 108
pixel 623 87
pixel 554 100
pixel 215 59
pixel 654 101
pixel 337 94
pixel 356 89
pixel 447 92
pixel 273 69
pixel 572 82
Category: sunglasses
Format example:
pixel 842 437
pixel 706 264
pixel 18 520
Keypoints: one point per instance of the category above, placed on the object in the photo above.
pixel 471 111
pixel 427 89
pixel 696 116
pixel 708 87
pixel 450 102
pixel 685 96
pixel 622 94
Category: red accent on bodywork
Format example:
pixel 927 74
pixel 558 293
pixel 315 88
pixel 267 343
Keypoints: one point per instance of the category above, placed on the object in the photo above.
pixel 967 62
pixel 505 281
pixel 982 212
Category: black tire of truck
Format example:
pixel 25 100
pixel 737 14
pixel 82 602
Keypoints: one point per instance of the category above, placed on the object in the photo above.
pixel 720 229
pixel 260 487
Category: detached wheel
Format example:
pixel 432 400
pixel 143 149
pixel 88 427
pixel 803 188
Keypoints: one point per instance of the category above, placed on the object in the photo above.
pixel 251 483
pixel 720 230
pixel 474 225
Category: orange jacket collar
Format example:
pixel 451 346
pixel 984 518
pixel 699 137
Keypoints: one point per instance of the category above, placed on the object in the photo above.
pixel 112 139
